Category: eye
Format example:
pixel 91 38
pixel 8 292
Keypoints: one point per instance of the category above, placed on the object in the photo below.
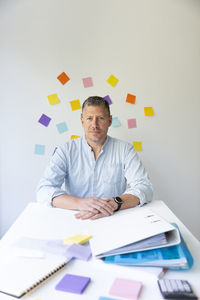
pixel 89 118
pixel 101 118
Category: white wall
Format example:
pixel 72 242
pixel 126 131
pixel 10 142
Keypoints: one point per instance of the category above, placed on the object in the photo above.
pixel 152 47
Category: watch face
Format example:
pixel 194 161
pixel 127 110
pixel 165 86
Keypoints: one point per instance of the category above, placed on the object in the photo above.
pixel 118 200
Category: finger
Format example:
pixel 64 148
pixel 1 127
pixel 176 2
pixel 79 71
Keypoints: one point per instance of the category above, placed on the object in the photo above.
pixel 97 216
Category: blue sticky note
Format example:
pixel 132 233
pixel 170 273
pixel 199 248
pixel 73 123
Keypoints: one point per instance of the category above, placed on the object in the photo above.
pixel 39 149
pixel 115 122
pixel 62 127
pixel 73 284
pixel 106 298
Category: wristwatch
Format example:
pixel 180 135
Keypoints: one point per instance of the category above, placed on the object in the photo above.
pixel 119 201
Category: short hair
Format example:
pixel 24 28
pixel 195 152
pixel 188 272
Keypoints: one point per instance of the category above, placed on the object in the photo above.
pixel 96 101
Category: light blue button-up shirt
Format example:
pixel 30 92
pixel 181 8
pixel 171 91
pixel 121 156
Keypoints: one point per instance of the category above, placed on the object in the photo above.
pixel 73 170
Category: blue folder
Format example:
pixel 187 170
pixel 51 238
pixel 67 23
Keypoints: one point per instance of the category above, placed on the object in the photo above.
pixel 174 257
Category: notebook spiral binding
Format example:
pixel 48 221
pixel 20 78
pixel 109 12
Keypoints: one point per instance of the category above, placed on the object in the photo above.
pixel 44 278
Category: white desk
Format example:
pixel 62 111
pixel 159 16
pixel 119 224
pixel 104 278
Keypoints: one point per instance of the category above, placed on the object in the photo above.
pixel 33 223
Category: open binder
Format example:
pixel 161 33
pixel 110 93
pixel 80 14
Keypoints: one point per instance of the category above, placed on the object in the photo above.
pixel 177 257
pixel 131 230
pixel 19 275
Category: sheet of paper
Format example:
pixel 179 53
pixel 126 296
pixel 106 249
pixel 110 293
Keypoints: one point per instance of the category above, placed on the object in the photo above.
pixel 137 146
pixel 130 98
pixel 148 111
pixel 112 80
pixel 39 149
pixel 75 104
pixel 44 120
pixel 108 99
pixel 126 288
pixel 87 82
pixel 132 123
pixel 78 239
pixel 53 99
pixel 62 127
pixel 63 78
pixel 115 122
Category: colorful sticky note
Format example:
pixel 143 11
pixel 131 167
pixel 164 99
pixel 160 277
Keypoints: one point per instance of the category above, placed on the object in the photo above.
pixel 73 284
pixel 132 123
pixel 63 78
pixel 107 98
pixel 79 251
pixel 112 80
pixel 130 98
pixel 75 104
pixel 44 120
pixel 137 146
pixel 53 99
pixel 87 82
pixel 62 127
pixel 148 111
pixel 78 239
pixel 115 122
pixel 106 298
pixel 126 288
pixel 39 149
pixel 74 137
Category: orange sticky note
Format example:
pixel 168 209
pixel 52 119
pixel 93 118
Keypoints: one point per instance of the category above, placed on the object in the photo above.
pixel 148 111
pixel 74 137
pixel 137 146
pixel 75 104
pixel 130 98
pixel 63 78
pixel 112 80
pixel 53 99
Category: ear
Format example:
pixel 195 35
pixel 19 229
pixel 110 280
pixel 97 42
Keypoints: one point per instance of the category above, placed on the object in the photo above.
pixel 82 118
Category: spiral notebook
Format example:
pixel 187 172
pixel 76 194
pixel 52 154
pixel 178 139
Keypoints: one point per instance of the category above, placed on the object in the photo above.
pixel 19 275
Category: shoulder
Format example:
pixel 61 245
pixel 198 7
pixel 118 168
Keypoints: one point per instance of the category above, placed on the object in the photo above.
pixel 117 143
pixel 69 146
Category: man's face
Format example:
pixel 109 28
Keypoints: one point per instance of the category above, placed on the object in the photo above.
pixel 95 121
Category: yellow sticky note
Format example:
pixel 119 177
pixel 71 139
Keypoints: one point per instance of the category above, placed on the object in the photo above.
pixel 137 146
pixel 74 137
pixel 77 239
pixel 53 99
pixel 75 104
pixel 112 80
pixel 148 111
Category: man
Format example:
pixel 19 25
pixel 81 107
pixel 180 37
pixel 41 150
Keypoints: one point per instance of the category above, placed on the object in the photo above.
pixel 101 174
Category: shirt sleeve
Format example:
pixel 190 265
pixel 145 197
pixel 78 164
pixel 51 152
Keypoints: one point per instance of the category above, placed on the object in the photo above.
pixel 50 184
pixel 138 183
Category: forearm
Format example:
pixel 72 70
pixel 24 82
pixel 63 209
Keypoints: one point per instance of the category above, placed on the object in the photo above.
pixel 129 201
pixel 66 201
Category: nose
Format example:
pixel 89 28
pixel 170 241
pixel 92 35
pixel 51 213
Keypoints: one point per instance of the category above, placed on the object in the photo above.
pixel 94 122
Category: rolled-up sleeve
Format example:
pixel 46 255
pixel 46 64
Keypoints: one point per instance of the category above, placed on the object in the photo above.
pixel 138 183
pixel 50 184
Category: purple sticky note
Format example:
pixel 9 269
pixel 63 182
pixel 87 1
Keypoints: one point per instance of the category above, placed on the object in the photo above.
pixel 126 288
pixel 44 120
pixel 79 251
pixel 87 82
pixel 73 284
pixel 107 98
pixel 132 123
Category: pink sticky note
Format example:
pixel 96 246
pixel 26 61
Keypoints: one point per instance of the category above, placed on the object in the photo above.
pixel 87 82
pixel 132 123
pixel 126 288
